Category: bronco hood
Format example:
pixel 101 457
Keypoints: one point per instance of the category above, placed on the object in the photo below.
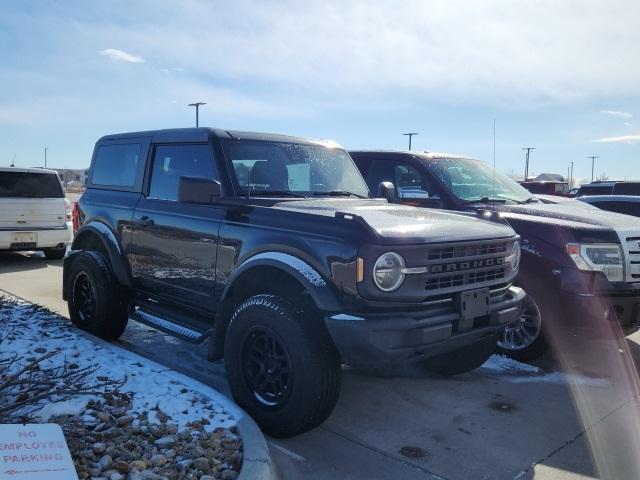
pixel 402 224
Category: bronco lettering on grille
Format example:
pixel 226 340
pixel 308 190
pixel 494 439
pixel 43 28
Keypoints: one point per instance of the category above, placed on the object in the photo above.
pixel 459 266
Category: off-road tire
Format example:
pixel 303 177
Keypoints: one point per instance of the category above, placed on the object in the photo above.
pixel 314 363
pixel 462 360
pixel 110 315
pixel 54 253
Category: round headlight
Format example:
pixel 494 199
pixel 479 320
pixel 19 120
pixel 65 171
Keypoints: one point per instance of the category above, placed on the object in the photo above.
pixel 387 271
pixel 515 255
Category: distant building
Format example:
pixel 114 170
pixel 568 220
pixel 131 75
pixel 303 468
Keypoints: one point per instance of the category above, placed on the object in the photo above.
pixel 549 177
pixel 72 177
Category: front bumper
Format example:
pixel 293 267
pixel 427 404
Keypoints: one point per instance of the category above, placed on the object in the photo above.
pixel 378 339
pixel 621 304
pixel 44 238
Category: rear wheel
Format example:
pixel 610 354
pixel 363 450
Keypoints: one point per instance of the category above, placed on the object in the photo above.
pixel 97 303
pixel 54 253
pixel 282 367
pixel 524 340
pixel 462 360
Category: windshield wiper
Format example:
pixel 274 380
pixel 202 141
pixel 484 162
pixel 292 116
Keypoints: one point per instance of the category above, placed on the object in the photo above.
pixel 532 200
pixel 338 193
pixel 488 200
pixel 274 193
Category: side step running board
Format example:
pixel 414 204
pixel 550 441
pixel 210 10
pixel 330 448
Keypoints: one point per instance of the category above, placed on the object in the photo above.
pixel 167 326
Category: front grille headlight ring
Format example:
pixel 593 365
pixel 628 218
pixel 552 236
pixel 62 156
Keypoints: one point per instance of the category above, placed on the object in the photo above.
pixel 388 271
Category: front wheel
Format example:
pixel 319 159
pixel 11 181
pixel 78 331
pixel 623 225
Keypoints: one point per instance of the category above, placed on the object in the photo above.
pixel 524 340
pixel 282 367
pixel 462 360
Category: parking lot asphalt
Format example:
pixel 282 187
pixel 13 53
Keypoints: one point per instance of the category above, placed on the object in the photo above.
pixel 575 418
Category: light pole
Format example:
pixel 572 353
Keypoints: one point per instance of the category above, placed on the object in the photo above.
pixel 410 134
pixel 526 165
pixel 45 156
pixel 593 162
pixel 571 177
pixel 197 105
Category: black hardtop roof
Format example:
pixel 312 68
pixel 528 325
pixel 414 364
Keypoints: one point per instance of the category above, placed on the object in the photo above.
pixel 202 134
pixel 426 154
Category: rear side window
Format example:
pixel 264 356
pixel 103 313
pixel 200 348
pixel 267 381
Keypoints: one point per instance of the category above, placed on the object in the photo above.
pixel 116 165
pixel 174 161
pixel 30 185
pixel 628 208
pixel 626 189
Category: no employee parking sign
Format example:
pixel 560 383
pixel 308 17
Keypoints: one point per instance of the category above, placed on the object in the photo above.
pixel 35 452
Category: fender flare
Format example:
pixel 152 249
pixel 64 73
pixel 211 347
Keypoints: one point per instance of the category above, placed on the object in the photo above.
pixel 116 257
pixel 323 296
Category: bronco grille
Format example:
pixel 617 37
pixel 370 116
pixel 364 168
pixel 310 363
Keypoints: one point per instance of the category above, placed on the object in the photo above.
pixel 470 278
pixel 451 268
pixel 463 251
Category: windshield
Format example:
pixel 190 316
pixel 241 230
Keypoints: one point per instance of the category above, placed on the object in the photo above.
pixel 294 169
pixel 473 180
pixel 30 185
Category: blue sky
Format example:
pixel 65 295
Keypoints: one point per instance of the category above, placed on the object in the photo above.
pixel 563 76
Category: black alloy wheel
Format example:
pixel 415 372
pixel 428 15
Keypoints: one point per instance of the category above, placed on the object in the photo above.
pixel 267 367
pixel 84 297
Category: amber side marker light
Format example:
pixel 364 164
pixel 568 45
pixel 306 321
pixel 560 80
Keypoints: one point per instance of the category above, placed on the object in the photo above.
pixel 359 269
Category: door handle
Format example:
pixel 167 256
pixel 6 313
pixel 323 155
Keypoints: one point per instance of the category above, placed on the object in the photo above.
pixel 143 222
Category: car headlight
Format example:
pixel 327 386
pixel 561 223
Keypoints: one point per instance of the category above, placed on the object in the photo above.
pixel 599 257
pixel 514 257
pixel 388 271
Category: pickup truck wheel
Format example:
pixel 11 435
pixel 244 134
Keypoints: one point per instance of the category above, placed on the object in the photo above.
pixel 282 367
pixel 462 360
pixel 54 253
pixel 96 302
pixel 525 340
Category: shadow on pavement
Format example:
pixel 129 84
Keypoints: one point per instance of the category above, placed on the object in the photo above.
pixel 22 261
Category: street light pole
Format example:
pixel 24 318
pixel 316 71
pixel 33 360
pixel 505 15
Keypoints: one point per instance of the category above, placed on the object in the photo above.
pixel 526 165
pixel 593 162
pixel 45 156
pixel 410 134
pixel 197 105
pixel 571 177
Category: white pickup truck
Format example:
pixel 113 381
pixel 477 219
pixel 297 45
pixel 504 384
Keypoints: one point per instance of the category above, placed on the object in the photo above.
pixel 34 212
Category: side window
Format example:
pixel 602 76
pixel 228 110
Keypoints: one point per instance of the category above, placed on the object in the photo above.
pixel 628 208
pixel 174 161
pixel 405 177
pixel 116 165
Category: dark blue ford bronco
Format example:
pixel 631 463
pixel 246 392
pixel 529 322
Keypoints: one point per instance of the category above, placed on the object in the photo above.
pixel 271 248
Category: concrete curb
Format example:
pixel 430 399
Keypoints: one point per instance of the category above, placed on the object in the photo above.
pixel 257 463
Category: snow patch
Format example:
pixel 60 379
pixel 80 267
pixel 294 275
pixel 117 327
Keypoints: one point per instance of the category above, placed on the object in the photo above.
pixel 149 384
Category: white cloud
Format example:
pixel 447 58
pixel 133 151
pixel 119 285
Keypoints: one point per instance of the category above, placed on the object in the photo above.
pixel 617 113
pixel 620 139
pixel 457 50
pixel 121 56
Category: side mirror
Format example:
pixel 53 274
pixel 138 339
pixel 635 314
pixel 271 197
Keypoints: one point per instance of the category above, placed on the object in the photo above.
pixel 198 190
pixel 387 190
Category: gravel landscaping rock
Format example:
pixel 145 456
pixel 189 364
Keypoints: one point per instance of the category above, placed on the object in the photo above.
pixel 113 450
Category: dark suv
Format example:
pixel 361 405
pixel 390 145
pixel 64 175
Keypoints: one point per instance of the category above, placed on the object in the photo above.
pixel 271 247
pixel 580 265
